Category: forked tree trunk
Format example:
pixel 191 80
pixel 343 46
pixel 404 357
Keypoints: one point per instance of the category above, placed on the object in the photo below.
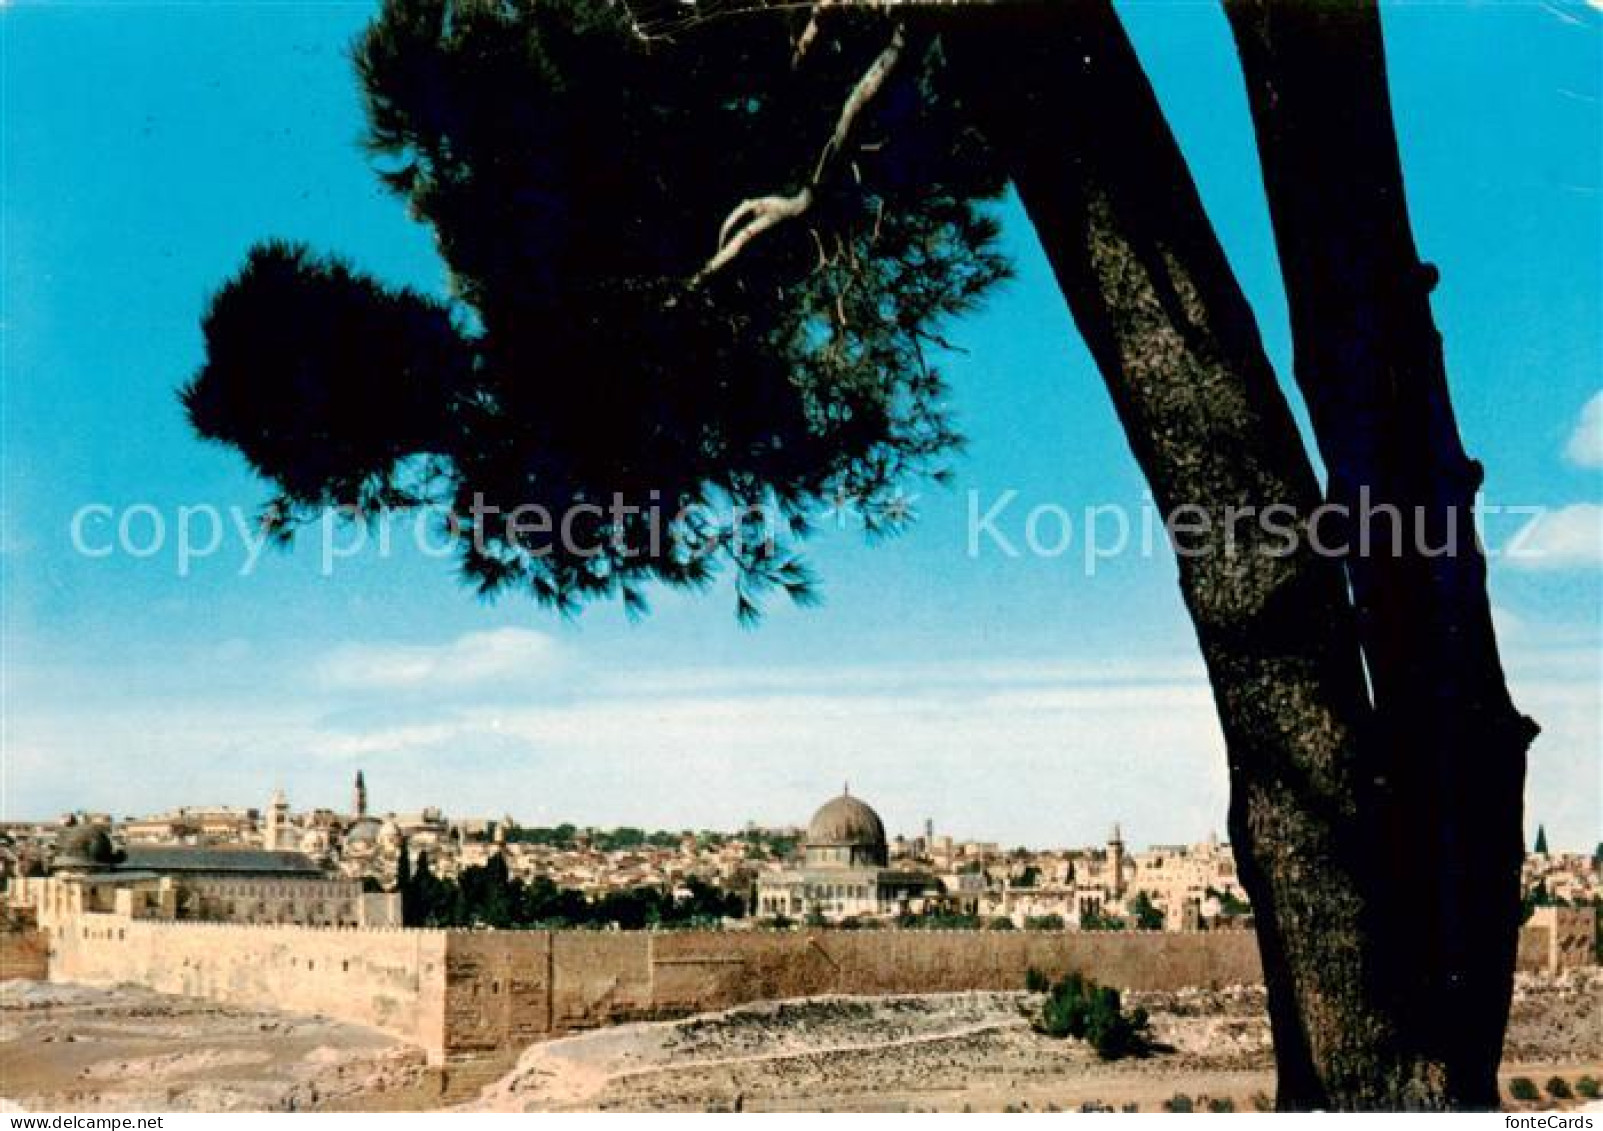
pixel 1062 96
pixel 1369 362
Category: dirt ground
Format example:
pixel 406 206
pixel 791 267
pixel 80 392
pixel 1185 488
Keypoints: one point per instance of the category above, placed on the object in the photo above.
pixel 956 1052
pixel 73 1048
pixel 126 1049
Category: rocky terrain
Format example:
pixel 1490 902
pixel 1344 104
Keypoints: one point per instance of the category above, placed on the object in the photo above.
pixel 128 1049
pixel 953 1052
pixel 68 1047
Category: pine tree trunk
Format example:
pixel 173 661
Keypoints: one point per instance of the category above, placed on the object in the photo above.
pixel 1061 95
pixel 1369 362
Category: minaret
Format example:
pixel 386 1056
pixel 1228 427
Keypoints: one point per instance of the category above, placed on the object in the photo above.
pixel 1116 863
pixel 361 795
pixel 277 830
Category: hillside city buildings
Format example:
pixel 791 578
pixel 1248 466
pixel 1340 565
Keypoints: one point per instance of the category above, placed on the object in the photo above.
pixel 321 867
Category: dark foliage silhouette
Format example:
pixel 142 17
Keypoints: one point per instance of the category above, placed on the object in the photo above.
pixel 576 176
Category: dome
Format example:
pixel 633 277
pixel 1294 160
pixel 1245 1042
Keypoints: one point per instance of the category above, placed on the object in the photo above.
pixel 84 846
pixel 364 831
pixel 847 822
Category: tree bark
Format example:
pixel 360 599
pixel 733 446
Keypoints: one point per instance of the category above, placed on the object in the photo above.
pixel 1061 95
pixel 1369 362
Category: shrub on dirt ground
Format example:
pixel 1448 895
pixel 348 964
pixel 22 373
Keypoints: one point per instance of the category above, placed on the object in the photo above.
pixel 1262 1101
pixel 1523 1088
pixel 1130 1109
pixel 1586 1087
pixel 1077 1007
pixel 1036 982
pixel 1179 1102
pixel 1222 1106
pixel 1559 1088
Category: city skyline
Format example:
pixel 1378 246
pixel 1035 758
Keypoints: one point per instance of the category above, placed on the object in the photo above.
pixel 650 556
pixel 1010 692
pixel 325 802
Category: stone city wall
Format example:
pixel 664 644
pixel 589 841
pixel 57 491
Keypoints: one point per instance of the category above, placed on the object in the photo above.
pixel 694 968
pixel 389 979
pixel 1558 938
pixel 23 952
pixel 511 988
pixel 461 993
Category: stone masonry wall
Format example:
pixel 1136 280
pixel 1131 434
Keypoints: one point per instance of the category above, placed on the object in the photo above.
pixel 23 952
pixel 1558 938
pixel 691 968
pixel 497 990
pixel 510 988
pixel 392 980
pixel 459 993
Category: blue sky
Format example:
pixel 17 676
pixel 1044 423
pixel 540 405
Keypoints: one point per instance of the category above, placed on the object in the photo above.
pixel 1026 700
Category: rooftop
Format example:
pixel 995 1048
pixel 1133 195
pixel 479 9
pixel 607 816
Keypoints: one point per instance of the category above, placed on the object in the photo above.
pixel 239 861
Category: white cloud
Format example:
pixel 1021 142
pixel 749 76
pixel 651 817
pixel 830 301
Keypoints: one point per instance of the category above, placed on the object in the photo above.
pixel 476 659
pixel 1510 625
pixel 974 761
pixel 386 740
pixel 1563 691
pixel 1585 447
pixel 899 678
pixel 1041 753
pixel 1024 752
pixel 1567 538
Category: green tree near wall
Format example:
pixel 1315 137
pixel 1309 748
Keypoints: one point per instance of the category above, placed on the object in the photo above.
pixel 1144 913
pixel 1100 921
pixel 1078 1007
pixel 488 896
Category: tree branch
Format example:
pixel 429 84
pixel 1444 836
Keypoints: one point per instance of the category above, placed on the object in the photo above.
pixel 751 218
pixel 809 33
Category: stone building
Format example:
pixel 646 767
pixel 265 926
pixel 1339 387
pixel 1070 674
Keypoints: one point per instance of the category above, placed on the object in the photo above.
pixel 1189 882
pixel 89 875
pixel 190 823
pixel 845 870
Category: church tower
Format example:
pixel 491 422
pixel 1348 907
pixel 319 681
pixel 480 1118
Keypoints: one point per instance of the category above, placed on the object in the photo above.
pixel 359 802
